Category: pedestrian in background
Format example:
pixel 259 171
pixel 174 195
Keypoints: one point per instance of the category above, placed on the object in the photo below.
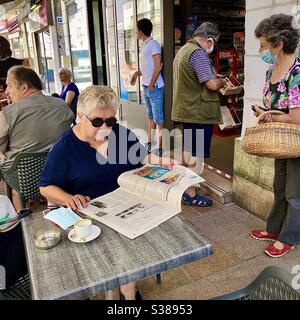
pixel 152 81
pixel 195 99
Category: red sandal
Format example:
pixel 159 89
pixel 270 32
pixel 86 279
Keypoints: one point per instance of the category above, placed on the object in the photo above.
pixel 257 234
pixel 273 252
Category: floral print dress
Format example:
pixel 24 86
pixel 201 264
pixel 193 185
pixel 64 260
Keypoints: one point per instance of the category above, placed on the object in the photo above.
pixel 285 94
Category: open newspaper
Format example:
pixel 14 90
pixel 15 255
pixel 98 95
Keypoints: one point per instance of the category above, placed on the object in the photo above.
pixel 147 197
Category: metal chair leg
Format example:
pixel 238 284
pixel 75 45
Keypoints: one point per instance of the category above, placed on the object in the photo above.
pixel 158 278
pixel 22 202
pixel 8 191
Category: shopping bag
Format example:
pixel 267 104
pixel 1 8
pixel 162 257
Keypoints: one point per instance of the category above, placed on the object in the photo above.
pixel 7 211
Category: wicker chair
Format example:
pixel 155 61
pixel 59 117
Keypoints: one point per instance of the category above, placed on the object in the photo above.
pixel 19 291
pixel 273 283
pixel 24 175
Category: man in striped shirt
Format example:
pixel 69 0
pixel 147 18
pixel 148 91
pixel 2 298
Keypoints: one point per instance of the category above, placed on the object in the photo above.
pixel 195 100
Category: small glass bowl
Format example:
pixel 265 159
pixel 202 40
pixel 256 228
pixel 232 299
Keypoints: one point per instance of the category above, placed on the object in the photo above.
pixel 47 238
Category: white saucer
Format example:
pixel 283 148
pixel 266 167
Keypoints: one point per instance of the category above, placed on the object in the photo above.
pixel 75 238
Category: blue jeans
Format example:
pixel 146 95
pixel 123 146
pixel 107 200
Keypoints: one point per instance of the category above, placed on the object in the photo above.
pixel 154 103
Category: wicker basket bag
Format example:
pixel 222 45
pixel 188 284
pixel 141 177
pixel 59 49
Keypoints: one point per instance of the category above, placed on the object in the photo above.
pixel 272 139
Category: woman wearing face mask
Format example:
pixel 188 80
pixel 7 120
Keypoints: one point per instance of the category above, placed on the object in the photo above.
pixel 278 43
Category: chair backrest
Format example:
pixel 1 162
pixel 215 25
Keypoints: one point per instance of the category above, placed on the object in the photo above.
pixel 73 105
pixel 25 173
pixel 273 283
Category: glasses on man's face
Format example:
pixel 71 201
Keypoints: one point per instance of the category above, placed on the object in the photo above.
pixel 98 122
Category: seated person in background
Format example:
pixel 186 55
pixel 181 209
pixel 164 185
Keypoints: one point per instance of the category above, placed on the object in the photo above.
pixel 33 121
pixel 88 158
pixel 69 91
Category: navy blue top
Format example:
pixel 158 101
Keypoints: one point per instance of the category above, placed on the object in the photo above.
pixel 74 166
pixel 70 87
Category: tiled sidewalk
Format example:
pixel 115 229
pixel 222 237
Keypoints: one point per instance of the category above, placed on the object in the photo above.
pixel 237 260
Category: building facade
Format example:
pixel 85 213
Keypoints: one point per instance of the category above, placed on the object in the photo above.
pixel 97 41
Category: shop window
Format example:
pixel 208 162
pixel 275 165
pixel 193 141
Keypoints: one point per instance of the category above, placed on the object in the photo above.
pixel 126 38
pixel 16 45
pixel 30 46
pixel 98 34
pixel 150 9
pixel 127 16
pixel 46 61
pixel 80 54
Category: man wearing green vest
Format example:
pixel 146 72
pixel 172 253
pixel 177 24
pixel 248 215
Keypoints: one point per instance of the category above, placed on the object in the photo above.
pixel 195 100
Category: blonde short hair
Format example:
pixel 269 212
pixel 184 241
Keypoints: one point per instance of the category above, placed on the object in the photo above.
pixel 97 97
pixel 67 72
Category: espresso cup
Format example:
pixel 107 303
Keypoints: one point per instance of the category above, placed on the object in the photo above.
pixel 83 228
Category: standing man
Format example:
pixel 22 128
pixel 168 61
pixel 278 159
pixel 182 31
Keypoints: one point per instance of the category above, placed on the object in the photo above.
pixel 195 99
pixel 153 84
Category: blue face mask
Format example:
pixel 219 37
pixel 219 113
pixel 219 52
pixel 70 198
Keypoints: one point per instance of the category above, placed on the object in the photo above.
pixel 267 57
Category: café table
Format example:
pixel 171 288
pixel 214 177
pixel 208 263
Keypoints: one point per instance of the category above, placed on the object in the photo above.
pixel 82 270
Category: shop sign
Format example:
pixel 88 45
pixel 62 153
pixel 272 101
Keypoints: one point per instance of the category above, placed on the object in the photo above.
pixel 59 20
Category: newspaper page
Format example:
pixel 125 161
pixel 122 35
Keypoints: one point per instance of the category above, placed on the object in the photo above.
pixel 147 197
pixel 159 184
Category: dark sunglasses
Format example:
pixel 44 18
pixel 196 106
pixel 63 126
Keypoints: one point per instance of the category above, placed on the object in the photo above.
pixel 98 122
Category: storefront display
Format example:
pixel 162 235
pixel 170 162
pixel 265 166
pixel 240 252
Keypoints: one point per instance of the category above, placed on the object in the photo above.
pixel 128 13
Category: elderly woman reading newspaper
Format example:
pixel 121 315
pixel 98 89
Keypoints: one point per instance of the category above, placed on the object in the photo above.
pixel 87 159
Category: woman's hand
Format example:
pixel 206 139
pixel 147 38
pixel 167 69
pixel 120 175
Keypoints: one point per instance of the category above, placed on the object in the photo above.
pixel 266 118
pixel 259 111
pixel 77 201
